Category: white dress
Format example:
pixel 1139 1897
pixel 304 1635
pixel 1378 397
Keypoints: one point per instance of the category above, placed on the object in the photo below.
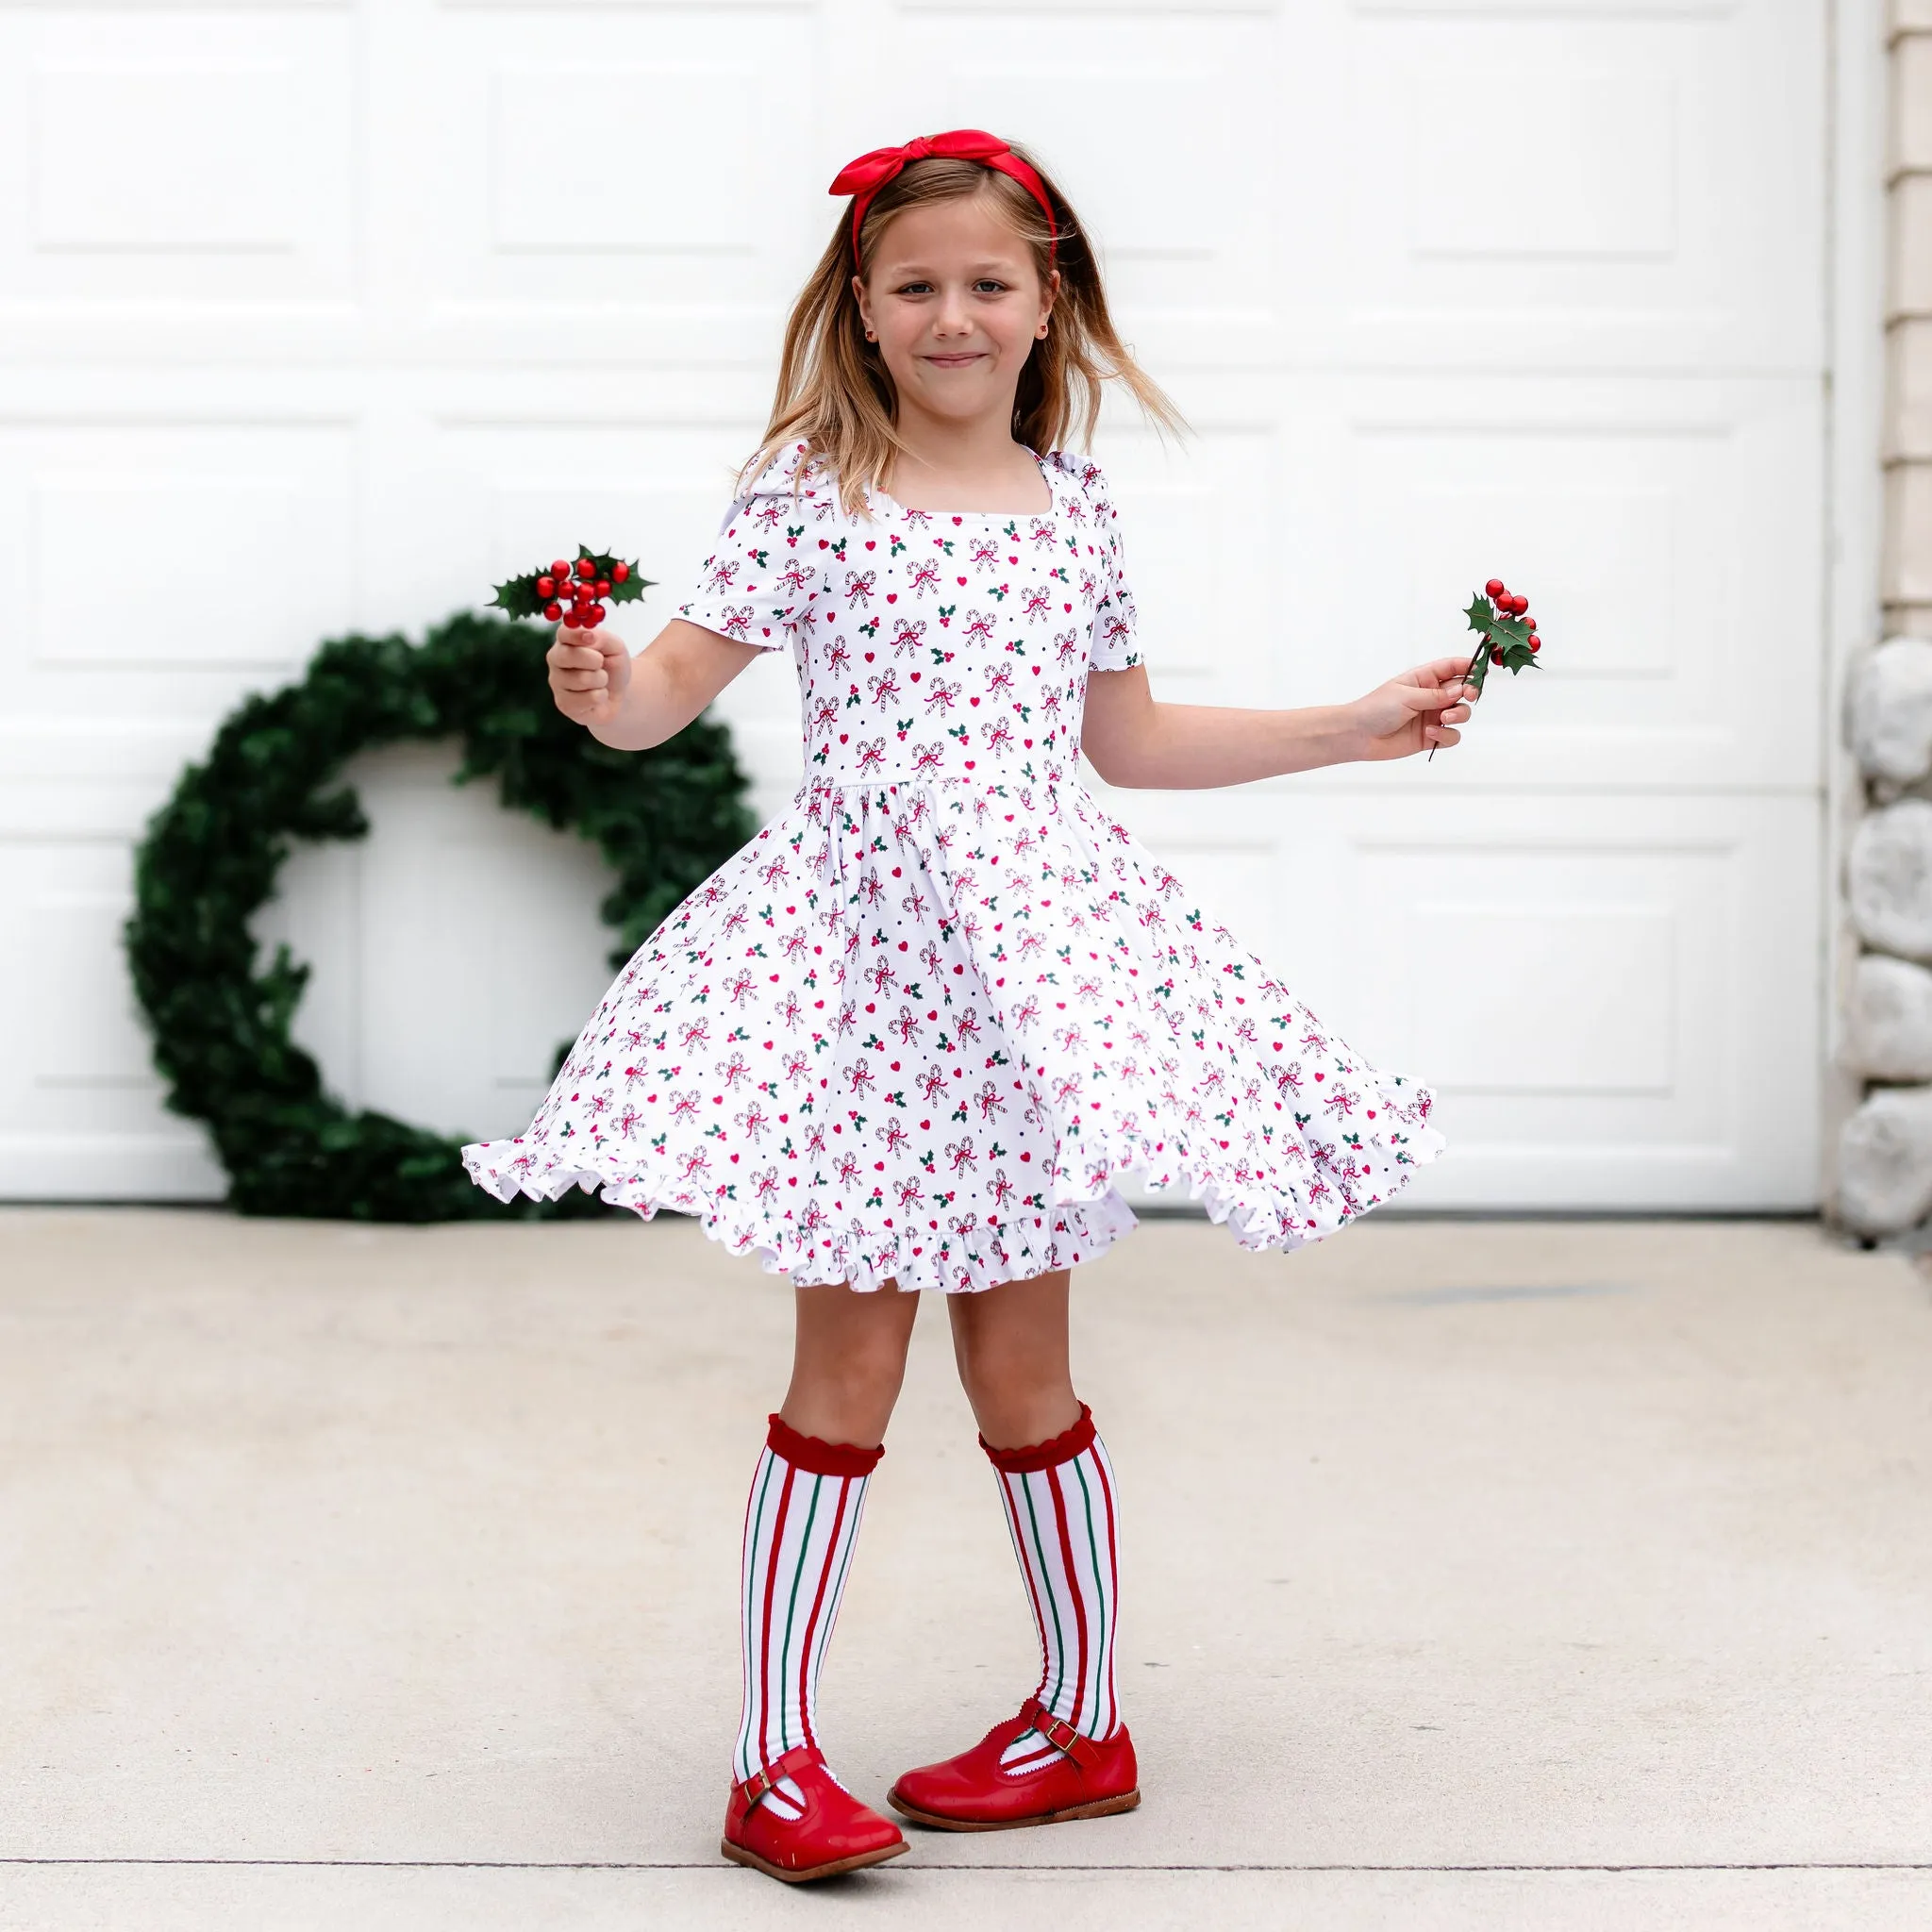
pixel 920 1027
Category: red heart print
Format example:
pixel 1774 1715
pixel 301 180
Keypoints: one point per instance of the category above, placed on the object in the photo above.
pixel 871 543
pixel 891 596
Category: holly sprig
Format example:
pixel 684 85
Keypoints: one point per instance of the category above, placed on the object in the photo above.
pixel 565 589
pixel 1507 635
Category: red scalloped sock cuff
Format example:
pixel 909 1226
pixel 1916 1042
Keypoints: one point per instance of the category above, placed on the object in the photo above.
pixel 1048 1455
pixel 821 1457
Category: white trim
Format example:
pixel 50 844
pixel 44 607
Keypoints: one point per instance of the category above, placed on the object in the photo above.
pixel 1855 374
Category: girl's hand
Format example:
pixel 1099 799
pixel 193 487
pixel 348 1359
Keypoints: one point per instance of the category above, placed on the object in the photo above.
pixel 1415 711
pixel 589 671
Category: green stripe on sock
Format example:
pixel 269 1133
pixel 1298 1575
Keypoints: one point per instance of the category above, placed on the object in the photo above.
pixel 1101 1658
pixel 1059 1643
pixel 818 1483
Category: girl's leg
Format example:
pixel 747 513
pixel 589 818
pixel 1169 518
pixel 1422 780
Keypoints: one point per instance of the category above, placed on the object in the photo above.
pixel 788 1816
pixel 848 1359
pixel 1067 1755
pixel 1014 1357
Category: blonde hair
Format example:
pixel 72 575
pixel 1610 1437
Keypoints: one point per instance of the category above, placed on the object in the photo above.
pixel 835 396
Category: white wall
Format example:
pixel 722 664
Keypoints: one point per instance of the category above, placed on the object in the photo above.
pixel 387 300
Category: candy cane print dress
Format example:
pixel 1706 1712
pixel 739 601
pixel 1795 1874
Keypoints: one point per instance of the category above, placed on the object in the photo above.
pixel 922 1025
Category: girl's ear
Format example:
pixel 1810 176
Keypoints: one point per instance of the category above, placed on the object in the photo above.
pixel 1049 295
pixel 864 309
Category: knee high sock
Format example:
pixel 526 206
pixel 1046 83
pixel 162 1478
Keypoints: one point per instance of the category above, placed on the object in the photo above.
pixel 800 1524
pixel 1060 1505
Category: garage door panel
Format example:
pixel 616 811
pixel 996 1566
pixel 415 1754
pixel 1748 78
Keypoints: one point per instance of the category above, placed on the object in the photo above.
pixel 452 951
pixel 1199 526
pixel 1556 188
pixel 602 199
pixel 1602 991
pixel 81 1106
pixel 163 568
pixel 1666 534
pixel 1192 251
pixel 225 175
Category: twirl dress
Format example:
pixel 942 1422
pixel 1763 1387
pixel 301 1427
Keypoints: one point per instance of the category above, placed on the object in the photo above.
pixel 922 1025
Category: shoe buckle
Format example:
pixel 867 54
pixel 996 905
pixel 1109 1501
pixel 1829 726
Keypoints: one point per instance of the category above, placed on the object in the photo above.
pixel 756 1787
pixel 1056 1730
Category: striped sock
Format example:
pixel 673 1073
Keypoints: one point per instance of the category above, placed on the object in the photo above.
pixel 1061 1508
pixel 800 1525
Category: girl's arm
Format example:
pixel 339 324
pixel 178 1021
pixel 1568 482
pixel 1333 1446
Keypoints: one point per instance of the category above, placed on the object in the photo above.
pixel 634 703
pixel 1134 742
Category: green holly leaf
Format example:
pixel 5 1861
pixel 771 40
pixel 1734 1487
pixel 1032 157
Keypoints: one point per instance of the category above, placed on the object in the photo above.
pixel 519 597
pixel 632 588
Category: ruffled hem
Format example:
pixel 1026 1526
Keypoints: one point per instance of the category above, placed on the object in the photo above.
pixel 1082 1221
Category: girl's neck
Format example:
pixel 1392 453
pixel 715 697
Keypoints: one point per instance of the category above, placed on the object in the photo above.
pixel 963 467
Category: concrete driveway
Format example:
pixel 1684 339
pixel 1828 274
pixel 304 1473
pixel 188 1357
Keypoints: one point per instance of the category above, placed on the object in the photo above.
pixel 1504 1575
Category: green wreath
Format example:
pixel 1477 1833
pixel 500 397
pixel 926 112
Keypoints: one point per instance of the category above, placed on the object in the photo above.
pixel 665 819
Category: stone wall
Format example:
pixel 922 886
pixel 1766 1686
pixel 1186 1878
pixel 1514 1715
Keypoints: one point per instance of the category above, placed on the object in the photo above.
pixel 1884 1151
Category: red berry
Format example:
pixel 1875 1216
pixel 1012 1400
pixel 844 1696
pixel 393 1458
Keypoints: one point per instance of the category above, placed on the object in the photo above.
pixel 546 587
pixel 619 572
pixel 1495 654
pixel 594 616
pixel 1518 604
pixel 572 621
pixel 603 587
pixel 1536 644
pixel 1493 587
pixel 559 568
pixel 552 611
pixel 586 569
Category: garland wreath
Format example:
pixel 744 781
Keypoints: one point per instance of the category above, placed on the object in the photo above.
pixel 665 820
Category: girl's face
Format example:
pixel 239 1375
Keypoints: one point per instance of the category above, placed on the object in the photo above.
pixel 956 304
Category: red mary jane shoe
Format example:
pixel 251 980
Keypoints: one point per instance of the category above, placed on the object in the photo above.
pixel 835 1834
pixel 971 1792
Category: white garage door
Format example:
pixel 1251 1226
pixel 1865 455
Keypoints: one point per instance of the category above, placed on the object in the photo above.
pixel 382 301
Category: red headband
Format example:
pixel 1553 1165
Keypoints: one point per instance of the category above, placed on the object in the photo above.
pixel 863 179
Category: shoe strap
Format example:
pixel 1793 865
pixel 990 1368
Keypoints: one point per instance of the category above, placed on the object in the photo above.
pixel 800 1758
pixel 1058 1733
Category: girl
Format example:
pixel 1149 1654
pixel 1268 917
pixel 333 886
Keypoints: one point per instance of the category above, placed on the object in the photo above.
pixel 913 1035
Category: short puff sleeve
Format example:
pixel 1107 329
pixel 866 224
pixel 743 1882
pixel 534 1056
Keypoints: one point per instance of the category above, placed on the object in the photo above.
pixel 1116 642
pixel 758 578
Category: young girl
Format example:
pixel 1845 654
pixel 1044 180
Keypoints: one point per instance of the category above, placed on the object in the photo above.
pixel 915 1034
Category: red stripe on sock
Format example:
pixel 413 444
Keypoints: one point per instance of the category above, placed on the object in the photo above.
pixel 765 1631
pixel 1073 1590
pixel 812 1623
pixel 1113 1568
pixel 1033 1589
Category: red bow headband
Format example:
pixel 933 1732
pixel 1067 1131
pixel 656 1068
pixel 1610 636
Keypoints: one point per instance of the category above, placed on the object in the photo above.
pixel 863 179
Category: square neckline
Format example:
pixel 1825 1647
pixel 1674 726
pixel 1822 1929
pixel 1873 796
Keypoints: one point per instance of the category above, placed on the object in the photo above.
pixel 1053 500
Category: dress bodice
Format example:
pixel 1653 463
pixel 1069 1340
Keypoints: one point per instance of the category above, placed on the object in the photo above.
pixel 930 645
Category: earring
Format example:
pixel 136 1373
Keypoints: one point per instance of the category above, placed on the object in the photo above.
pixel 1040 334
pixel 870 337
